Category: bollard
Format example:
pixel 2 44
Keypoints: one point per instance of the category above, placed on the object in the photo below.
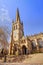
pixel 5 58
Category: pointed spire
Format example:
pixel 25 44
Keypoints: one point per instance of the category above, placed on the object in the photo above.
pixel 17 15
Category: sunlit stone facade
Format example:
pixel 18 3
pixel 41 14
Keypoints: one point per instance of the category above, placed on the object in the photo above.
pixel 20 43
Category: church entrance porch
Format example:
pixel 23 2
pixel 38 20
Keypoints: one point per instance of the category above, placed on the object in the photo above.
pixel 14 49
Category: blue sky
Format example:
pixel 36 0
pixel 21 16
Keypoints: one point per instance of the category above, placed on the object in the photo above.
pixel 31 13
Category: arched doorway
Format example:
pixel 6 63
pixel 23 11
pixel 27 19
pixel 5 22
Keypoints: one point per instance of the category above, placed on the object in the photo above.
pixel 14 48
pixel 24 50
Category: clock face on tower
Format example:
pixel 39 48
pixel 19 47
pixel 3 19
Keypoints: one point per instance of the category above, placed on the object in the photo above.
pixel 15 35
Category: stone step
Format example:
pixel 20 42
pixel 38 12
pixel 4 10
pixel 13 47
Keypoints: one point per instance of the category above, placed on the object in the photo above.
pixel 21 64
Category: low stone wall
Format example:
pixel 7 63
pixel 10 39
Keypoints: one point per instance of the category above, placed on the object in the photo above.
pixel 13 58
pixel 41 50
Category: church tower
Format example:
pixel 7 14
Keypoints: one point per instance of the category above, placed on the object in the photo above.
pixel 17 32
pixel 17 28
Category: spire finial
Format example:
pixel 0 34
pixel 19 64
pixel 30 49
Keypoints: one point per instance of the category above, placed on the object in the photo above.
pixel 17 15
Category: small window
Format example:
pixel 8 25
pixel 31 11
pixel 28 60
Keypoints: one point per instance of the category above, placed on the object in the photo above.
pixel 24 41
pixel 14 27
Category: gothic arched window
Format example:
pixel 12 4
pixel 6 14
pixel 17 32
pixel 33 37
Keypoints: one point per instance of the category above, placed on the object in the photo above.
pixel 40 42
pixel 33 44
pixel 16 26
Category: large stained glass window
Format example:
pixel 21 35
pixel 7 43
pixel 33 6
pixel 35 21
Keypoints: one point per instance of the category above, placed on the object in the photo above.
pixel 33 44
pixel 40 42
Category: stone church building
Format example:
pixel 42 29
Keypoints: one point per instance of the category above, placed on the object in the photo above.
pixel 24 44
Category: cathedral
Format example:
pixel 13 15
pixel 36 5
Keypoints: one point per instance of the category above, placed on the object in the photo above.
pixel 22 44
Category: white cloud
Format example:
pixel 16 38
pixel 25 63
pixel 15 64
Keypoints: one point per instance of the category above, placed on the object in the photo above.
pixel 4 15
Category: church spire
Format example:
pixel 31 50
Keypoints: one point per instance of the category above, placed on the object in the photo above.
pixel 17 15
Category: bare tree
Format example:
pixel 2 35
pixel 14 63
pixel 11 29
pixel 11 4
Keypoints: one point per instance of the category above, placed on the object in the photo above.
pixel 4 35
